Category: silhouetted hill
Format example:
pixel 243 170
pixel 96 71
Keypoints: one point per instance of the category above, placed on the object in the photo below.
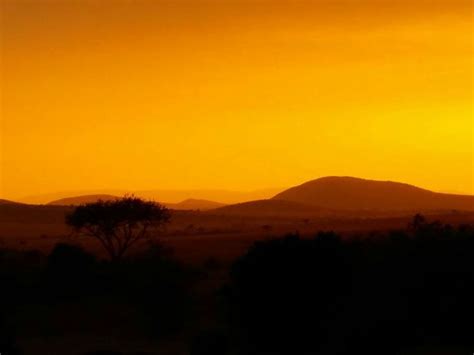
pixel 224 196
pixel 194 204
pixel 8 202
pixel 170 196
pixel 348 193
pixel 77 200
pixel 31 214
pixel 273 208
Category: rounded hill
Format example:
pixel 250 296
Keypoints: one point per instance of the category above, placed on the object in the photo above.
pixel 349 193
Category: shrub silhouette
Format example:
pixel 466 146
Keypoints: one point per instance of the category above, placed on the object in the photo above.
pixel 160 287
pixel 210 343
pixel 283 284
pixel 7 340
pixel 71 271
pixel 375 295
pixel 118 224
pixel 68 258
pixel 70 292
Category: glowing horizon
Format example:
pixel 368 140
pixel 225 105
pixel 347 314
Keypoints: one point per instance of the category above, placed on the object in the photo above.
pixel 139 95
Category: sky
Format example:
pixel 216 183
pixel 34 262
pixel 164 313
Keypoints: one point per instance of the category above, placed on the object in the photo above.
pixel 237 94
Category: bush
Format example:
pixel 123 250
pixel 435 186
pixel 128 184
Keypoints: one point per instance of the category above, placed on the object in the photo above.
pixel 325 295
pixel 71 272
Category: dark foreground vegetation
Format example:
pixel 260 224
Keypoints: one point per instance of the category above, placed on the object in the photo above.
pixel 405 292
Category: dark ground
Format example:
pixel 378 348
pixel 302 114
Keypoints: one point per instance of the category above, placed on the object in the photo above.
pixel 209 290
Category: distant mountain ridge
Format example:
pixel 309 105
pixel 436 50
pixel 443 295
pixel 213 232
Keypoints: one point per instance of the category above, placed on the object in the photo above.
pixel 194 204
pixel 8 202
pixel 170 196
pixel 350 193
pixel 331 195
pixel 189 204
pixel 78 200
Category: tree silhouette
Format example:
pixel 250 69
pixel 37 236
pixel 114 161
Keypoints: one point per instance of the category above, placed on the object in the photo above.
pixel 418 221
pixel 118 224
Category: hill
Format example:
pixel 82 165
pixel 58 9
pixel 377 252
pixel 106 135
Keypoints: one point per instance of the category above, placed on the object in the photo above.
pixel 78 200
pixel 8 202
pixel 349 193
pixel 170 196
pixel 194 204
pixel 224 196
pixel 270 208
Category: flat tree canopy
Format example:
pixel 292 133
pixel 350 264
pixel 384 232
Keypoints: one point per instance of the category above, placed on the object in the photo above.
pixel 118 224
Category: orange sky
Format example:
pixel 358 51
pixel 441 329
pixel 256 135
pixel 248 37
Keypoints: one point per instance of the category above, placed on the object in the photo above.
pixel 236 94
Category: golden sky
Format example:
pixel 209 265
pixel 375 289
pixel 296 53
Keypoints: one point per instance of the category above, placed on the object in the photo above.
pixel 235 95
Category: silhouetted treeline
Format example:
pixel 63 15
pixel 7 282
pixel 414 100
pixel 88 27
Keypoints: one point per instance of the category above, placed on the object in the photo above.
pixel 380 295
pixel 404 292
pixel 71 292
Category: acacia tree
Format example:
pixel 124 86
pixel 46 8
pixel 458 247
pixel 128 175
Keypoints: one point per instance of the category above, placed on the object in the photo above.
pixel 118 224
